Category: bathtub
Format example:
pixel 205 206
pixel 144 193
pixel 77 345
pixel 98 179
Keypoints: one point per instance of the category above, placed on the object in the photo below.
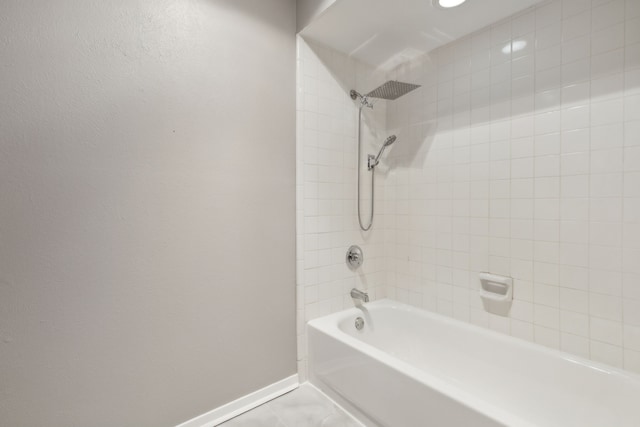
pixel 411 368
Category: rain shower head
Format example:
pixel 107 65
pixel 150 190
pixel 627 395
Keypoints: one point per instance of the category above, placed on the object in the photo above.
pixel 392 90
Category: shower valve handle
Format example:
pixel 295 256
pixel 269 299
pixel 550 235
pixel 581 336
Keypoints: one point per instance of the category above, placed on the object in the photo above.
pixel 354 257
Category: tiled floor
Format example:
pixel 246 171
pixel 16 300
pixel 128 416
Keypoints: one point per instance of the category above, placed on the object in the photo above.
pixel 303 407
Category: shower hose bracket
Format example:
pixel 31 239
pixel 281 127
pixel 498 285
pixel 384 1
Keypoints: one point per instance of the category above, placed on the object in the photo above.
pixel 371 162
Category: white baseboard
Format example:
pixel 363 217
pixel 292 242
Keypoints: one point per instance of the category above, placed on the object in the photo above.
pixel 243 404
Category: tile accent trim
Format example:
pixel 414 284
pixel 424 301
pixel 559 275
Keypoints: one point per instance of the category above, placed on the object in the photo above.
pixel 243 404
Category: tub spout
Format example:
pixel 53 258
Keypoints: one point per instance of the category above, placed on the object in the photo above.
pixel 358 294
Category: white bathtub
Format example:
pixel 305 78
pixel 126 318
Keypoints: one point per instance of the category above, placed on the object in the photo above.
pixel 411 368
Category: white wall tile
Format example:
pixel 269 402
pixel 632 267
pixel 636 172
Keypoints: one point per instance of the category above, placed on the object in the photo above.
pixel 554 211
pixel 533 170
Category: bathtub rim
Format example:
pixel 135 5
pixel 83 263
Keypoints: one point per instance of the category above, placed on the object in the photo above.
pixel 324 324
pixel 329 325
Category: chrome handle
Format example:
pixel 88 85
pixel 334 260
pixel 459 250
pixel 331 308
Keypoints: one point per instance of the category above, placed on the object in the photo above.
pixel 354 257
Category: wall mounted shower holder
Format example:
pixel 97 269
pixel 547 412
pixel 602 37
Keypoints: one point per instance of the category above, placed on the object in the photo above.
pixel 371 161
pixel 496 293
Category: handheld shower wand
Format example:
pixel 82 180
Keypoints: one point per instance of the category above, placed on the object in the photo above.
pixel 372 161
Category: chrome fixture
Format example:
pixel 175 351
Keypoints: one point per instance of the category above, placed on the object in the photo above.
pixel 364 100
pixel 355 257
pixel 360 295
pixel 389 91
pixel 359 323
pixel 372 161
pixel 392 90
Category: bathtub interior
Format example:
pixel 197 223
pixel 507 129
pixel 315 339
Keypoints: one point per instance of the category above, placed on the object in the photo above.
pixel 531 381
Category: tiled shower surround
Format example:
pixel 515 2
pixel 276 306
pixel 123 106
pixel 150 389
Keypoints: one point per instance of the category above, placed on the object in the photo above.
pixel 327 221
pixel 520 155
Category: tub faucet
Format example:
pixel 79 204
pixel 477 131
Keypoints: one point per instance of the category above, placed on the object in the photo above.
pixel 358 294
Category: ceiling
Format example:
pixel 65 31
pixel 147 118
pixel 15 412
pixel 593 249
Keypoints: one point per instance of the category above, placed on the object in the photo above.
pixel 384 33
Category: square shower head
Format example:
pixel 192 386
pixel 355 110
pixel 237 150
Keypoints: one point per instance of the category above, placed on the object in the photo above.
pixel 392 90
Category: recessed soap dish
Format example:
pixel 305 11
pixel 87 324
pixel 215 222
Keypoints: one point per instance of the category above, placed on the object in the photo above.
pixel 496 293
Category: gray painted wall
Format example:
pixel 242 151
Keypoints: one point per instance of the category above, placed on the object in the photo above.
pixel 308 10
pixel 147 184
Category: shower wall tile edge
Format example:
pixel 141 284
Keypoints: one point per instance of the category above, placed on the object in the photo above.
pixel 326 221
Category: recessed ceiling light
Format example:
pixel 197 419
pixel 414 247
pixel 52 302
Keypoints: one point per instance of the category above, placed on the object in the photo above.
pixel 448 3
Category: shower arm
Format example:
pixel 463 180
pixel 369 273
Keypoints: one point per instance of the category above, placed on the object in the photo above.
pixel 364 100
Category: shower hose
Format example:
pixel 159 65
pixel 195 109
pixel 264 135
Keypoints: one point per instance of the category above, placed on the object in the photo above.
pixel 372 175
